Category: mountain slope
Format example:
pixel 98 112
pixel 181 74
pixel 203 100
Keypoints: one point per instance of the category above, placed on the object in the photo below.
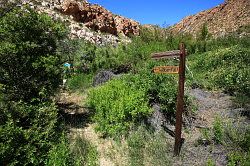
pixel 220 20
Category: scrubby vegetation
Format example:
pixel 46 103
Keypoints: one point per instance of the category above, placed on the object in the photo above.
pixel 146 147
pixel 30 73
pixel 129 105
pixel 31 129
pixel 225 68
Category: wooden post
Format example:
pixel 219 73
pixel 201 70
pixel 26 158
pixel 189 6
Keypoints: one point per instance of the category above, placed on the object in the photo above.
pixel 180 101
pixel 180 98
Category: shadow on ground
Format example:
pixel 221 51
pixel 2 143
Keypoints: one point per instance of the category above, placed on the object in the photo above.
pixel 73 115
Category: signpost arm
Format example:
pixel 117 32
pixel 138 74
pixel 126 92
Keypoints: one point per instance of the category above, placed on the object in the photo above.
pixel 180 101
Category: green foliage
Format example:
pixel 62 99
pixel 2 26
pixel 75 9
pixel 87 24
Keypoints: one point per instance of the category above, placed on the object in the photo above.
pixel 6 6
pixel 27 132
pixel 84 153
pixel 237 135
pixel 60 154
pixel 226 68
pixel 30 66
pixel 201 43
pixel 136 143
pixel 79 82
pixel 153 33
pixel 120 103
pixel 234 135
pixel 123 57
pixel 160 88
pixel 210 162
pixel 117 106
pixel 146 148
pixel 218 132
pixel 239 158
pixel 204 33
pixel 158 150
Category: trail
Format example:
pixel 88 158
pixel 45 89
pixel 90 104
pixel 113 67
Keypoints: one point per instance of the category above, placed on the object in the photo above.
pixel 210 105
pixel 77 118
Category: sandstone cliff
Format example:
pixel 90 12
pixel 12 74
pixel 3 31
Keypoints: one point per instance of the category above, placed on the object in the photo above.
pixel 220 20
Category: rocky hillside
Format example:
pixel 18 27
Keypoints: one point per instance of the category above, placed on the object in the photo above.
pixel 88 21
pixel 220 20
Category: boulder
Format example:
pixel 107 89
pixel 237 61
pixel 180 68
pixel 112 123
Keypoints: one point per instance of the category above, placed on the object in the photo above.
pixel 102 77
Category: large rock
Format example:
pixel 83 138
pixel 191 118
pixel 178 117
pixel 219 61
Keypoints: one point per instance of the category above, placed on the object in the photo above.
pixel 102 77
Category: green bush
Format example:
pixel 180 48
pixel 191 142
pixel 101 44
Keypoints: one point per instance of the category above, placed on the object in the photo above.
pixel 79 82
pixel 234 135
pixel 159 88
pixel 122 102
pixel 226 68
pixel 27 132
pixel 123 57
pixel 60 154
pixel 30 66
pixel 117 106
pixel 239 158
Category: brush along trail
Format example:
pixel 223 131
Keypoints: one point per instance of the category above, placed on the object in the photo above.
pixel 209 106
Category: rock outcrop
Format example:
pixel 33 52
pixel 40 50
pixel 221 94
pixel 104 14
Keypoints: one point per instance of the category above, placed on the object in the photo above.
pixel 98 18
pixel 86 21
pixel 220 20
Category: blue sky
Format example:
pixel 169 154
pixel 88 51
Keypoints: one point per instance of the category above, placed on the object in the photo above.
pixel 157 12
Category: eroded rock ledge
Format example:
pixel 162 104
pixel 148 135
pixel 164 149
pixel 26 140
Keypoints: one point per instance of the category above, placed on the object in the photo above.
pixel 98 18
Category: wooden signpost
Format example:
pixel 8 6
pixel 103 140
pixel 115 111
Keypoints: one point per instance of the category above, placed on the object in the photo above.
pixel 181 54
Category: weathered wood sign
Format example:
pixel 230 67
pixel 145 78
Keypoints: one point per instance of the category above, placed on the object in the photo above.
pixel 166 69
pixel 166 55
pixel 181 54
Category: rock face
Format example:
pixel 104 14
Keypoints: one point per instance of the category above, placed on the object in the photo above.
pixel 92 23
pixel 98 18
pixel 223 19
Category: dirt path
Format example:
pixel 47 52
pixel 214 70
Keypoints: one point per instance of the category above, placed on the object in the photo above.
pixel 210 105
pixel 77 119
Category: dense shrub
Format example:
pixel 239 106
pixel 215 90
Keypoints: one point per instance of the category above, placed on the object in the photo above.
pixel 30 66
pixel 30 72
pixel 79 82
pixel 235 136
pixel 121 103
pixel 160 88
pixel 117 106
pixel 60 153
pixel 27 132
pixel 226 68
